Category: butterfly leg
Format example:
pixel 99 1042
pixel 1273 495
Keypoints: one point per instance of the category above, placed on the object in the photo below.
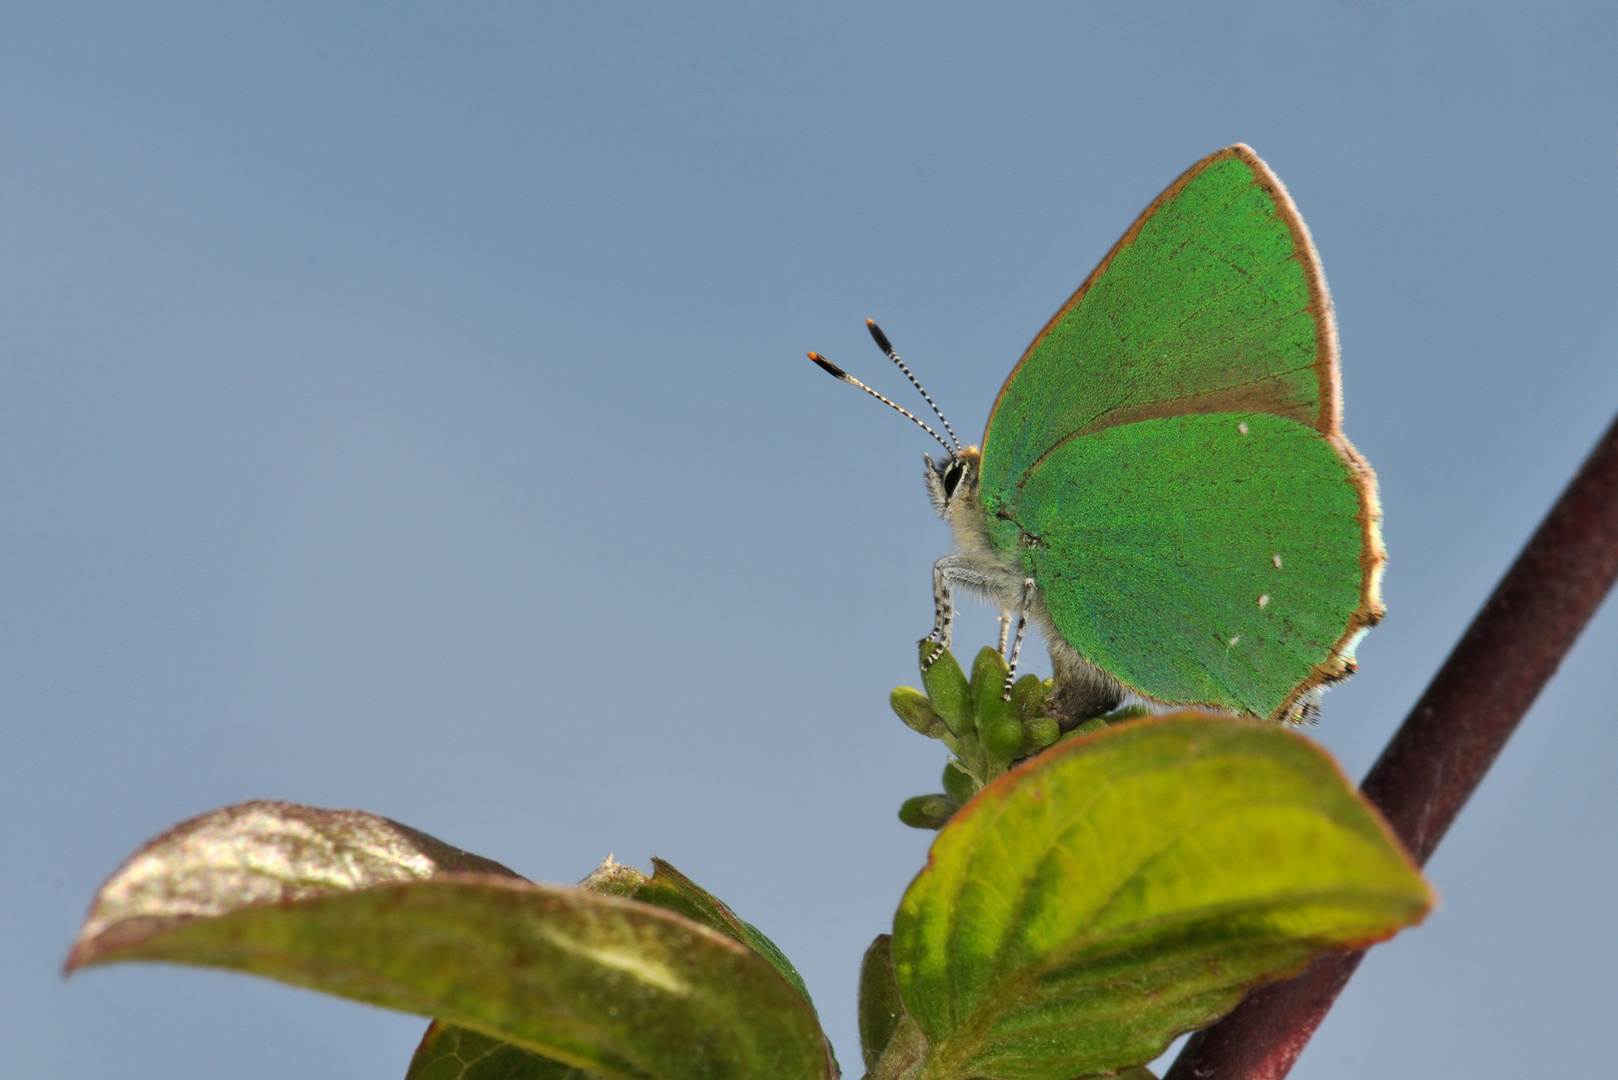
pixel 951 569
pixel 1005 630
pixel 1016 644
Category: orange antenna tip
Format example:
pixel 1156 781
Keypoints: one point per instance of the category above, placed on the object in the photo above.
pixel 828 367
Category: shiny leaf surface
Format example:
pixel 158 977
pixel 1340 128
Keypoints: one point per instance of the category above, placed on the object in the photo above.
pixel 1130 885
pixel 360 907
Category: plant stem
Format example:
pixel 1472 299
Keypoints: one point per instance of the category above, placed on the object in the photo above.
pixel 1446 744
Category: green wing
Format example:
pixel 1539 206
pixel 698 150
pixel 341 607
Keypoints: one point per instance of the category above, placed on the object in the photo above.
pixel 1211 309
pixel 1156 547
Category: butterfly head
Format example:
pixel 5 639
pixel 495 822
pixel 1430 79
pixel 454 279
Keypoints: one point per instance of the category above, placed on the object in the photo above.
pixel 952 478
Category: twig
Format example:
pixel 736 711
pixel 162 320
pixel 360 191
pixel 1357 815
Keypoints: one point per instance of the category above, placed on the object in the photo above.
pixel 1446 744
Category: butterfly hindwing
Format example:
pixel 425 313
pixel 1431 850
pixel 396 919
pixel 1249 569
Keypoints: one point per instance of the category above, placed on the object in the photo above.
pixel 1195 561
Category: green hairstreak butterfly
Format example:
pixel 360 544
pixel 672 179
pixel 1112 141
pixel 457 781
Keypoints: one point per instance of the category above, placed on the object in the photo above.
pixel 1164 487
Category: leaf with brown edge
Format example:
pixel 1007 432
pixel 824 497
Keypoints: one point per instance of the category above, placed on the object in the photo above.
pixel 670 889
pixel 1130 885
pixel 360 907
pixel 258 853
pixel 478 1057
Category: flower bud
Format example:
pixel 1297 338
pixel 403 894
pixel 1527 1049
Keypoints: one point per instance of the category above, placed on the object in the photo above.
pixel 928 811
pixel 948 690
pixel 1038 733
pixel 1003 739
pixel 916 711
pixel 1028 698
pixel 988 683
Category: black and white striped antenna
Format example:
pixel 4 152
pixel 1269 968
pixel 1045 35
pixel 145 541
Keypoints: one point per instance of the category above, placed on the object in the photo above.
pixel 887 347
pixel 842 376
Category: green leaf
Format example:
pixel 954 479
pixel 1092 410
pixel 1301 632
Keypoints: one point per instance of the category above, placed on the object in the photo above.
pixel 1128 886
pixel 366 909
pixel 260 853
pixel 673 890
pixel 880 1008
pixel 448 1052
pixel 446 1048
pixel 668 889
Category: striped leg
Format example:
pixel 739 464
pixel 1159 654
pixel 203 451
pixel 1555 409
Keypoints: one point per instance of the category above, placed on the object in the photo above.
pixel 946 571
pixel 1016 644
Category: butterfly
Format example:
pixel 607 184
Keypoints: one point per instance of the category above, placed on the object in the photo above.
pixel 1164 488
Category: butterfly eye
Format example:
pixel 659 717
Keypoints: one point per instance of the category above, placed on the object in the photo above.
pixel 952 477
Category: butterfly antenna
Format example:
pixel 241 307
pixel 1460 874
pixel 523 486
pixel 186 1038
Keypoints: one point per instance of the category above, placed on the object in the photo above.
pixel 886 346
pixel 842 376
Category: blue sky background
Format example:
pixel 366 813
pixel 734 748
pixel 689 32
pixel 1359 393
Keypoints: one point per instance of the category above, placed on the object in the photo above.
pixel 404 408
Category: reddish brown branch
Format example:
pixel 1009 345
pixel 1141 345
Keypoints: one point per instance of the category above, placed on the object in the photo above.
pixel 1446 744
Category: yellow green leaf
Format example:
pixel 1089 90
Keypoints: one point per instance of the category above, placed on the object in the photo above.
pixel 1131 885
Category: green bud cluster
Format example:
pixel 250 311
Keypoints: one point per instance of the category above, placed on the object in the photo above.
pixel 986 734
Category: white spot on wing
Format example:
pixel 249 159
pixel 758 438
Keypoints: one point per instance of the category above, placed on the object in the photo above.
pixel 1264 600
pixel 1242 427
pixel 1276 559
